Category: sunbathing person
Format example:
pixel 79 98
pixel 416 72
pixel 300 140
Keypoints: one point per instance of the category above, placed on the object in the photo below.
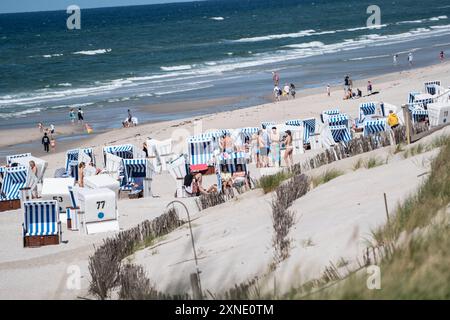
pixel 193 185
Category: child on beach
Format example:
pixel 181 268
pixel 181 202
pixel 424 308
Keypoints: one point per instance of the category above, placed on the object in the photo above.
pixel 292 90
pixel 276 94
pixel 72 115
pixel 41 127
pixel 395 58
pixel 410 59
pixel 441 56
pixel 369 87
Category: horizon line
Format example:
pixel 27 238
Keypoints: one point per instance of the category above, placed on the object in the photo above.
pixel 107 7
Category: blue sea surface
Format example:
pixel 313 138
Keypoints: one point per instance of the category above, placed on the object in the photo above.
pixel 130 57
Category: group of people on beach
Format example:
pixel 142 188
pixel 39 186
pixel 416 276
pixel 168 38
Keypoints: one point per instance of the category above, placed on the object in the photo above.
pixel 350 92
pixel 74 115
pixel 287 92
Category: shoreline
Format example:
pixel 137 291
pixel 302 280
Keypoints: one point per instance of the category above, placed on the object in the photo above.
pixel 9 138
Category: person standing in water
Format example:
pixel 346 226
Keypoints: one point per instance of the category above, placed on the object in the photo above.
pixel 46 142
pixel 80 115
pixel 275 78
pixel 441 56
pixel 410 59
pixel 72 115
pixel 395 59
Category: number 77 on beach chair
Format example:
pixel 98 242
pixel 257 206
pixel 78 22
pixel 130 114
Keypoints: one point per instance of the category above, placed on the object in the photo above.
pixel 41 225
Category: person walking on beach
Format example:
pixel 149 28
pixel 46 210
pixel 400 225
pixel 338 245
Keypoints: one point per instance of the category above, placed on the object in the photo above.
pixel 441 56
pixel 80 115
pixel 276 94
pixel 346 83
pixel 52 129
pixel 46 142
pixel 292 90
pixel 328 90
pixel 72 115
pixel 275 78
pixel 410 59
pixel 395 59
pixel 369 88
pixel 130 117
pixel 41 127
pixel 286 90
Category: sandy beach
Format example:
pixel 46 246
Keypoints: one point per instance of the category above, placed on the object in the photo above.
pixel 234 238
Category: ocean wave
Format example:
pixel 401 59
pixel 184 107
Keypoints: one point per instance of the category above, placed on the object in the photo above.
pixel 162 93
pixel 217 18
pixel 19 114
pixel 177 68
pixel 369 57
pixel 93 52
pixel 299 34
pixel 52 55
pixel 304 33
pixel 65 84
pixel 422 20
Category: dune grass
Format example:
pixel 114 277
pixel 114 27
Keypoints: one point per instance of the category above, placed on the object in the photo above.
pixel 270 182
pixel 358 164
pixel 326 177
pixel 419 268
pixel 373 162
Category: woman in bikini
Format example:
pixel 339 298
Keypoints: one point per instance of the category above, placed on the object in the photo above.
pixel 289 149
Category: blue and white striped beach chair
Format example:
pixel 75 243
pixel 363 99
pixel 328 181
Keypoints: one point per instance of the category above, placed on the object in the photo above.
pixel 125 151
pixel 15 178
pixel 214 134
pixel 41 223
pixel 200 150
pixel 295 122
pixel 338 120
pixel 309 128
pixel 340 133
pixel 267 124
pixel 419 115
pixel 374 126
pixel 249 131
pixel 431 87
pixel 136 168
pixel 10 159
pixel 366 109
pixel 72 161
pixel 330 112
pixel 232 160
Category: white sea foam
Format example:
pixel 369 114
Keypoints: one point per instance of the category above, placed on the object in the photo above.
pixel 369 57
pixel 93 52
pixel 19 114
pixel 299 34
pixel 52 55
pixel 66 84
pixel 217 18
pixel 423 20
pixel 177 68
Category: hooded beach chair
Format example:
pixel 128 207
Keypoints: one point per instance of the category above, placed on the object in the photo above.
pixel 57 189
pixel 178 170
pixel 41 224
pixel 331 112
pixel 14 179
pixel 126 151
pixel 137 168
pixel 419 115
pixel 249 131
pixel 73 159
pixel 337 120
pixel 160 152
pixel 374 126
pixel 24 160
pixel 200 151
pixel 11 159
pixel 267 124
pixel 340 133
pixel 309 128
pixel 433 87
